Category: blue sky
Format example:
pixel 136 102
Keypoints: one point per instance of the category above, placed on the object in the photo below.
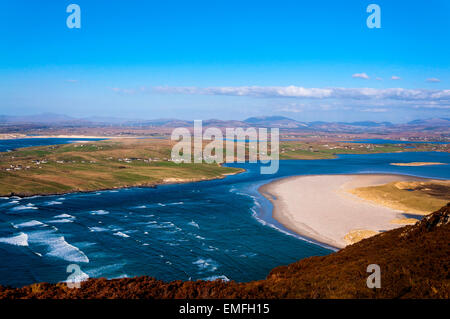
pixel 309 60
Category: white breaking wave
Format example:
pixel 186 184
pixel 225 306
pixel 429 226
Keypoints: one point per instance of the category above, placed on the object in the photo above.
pixel 24 207
pixel 119 233
pixel 206 264
pixel 221 277
pixel 64 216
pixel 97 229
pixel 18 240
pixel 100 212
pixel 62 220
pixel 53 202
pixel 192 223
pixel 57 246
pixel 31 223
pixel 60 248
pixel 177 203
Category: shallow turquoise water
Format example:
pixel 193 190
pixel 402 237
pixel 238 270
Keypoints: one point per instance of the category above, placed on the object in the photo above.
pixel 213 229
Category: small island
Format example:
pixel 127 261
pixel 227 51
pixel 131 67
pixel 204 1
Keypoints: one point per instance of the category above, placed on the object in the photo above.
pixel 418 164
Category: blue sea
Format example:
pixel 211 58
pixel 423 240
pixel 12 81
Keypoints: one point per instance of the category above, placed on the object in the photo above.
pixel 206 230
pixel 387 141
pixel 9 145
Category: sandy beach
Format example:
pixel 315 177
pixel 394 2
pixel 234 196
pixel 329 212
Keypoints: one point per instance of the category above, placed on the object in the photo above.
pixel 321 208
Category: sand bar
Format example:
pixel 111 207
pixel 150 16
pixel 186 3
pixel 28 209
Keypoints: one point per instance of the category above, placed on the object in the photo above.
pixel 321 208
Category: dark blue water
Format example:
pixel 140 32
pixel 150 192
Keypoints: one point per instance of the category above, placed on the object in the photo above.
pixel 6 145
pixel 383 141
pixel 213 229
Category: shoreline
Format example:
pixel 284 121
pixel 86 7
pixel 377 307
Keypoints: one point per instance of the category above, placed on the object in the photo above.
pixel 169 181
pixel 341 215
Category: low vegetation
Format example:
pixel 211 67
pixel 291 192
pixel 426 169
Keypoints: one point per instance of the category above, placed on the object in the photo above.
pixel 330 150
pixel 414 197
pixel 90 166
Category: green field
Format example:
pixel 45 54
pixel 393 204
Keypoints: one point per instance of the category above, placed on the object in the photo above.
pixel 97 165
pixel 302 150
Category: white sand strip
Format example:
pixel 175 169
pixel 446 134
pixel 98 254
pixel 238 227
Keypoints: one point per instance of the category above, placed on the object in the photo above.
pixel 319 207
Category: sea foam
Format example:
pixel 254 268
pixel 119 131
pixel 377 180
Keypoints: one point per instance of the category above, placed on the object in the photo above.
pixel 18 240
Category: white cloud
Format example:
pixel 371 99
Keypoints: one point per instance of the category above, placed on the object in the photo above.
pixel 433 80
pixel 360 76
pixel 314 93
pixel 375 110
pixel 394 77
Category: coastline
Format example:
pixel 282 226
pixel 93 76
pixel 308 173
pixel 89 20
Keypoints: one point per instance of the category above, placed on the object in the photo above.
pixel 166 181
pixel 299 206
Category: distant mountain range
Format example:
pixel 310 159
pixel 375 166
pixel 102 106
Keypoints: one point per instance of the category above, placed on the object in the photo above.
pixel 281 122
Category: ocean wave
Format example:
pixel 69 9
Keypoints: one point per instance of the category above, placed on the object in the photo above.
pixel 100 212
pixel 265 223
pixel 24 207
pixel 18 240
pixel 106 270
pixel 63 216
pixel 97 229
pixel 53 202
pixel 60 248
pixel 31 223
pixel 207 264
pixel 192 223
pixel 171 204
pixel 57 246
pixel 221 277
pixel 60 221
pixel 119 233
pixel 211 248
pixel 172 244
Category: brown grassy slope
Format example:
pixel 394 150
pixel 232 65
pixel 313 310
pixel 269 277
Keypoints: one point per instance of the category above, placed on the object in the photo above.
pixel 414 263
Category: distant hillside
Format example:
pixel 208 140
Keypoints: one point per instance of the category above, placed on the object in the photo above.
pixel 414 262
pixel 275 121
pixel 437 125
